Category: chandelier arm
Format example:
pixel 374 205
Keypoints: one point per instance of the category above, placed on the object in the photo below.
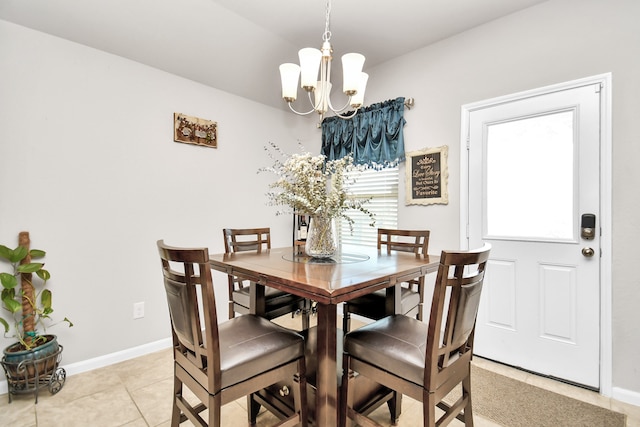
pixel 299 113
pixel 339 110
pixel 314 107
pixel 347 116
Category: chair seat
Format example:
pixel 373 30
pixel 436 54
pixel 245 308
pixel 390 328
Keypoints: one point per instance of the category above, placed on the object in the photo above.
pixel 373 305
pixel 390 342
pixel 274 298
pixel 251 345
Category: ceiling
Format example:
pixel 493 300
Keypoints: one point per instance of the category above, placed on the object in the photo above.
pixel 237 45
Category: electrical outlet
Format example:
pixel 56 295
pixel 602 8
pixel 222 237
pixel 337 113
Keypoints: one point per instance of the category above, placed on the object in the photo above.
pixel 138 310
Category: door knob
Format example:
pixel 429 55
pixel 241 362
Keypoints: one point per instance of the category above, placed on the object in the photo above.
pixel 588 252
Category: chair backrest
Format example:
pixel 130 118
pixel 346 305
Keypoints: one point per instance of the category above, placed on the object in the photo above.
pixel 246 239
pixel 454 309
pixel 416 241
pixel 184 271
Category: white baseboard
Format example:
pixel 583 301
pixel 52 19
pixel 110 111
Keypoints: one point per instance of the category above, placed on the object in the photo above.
pixel 106 360
pixel 626 396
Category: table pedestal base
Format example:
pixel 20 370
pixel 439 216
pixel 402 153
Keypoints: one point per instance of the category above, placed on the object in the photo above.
pixel 369 394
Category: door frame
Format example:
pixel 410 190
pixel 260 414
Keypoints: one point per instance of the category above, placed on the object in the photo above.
pixel 605 81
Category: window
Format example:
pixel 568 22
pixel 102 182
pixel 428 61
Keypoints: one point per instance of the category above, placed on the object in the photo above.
pixel 518 192
pixel 382 187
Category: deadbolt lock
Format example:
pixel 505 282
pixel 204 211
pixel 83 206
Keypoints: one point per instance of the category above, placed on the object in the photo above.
pixel 588 226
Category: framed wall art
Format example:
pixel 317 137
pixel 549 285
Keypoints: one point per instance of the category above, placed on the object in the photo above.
pixel 427 176
pixel 193 130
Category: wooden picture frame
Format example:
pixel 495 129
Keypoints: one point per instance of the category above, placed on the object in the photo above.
pixel 427 176
pixel 193 130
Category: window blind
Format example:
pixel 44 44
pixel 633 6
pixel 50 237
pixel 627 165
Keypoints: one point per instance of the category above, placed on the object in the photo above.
pixel 382 187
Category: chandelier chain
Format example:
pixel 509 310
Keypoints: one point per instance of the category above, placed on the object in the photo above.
pixel 327 32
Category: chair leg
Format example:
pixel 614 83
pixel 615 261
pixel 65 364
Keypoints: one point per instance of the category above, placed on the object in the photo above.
pixel 346 319
pixel 468 410
pixel 300 392
pixel 395 407
pixel 215 405
pixel 306 314
pixel 346 398
pixel 175 411
pixel 231 312
pixel 253 408
pixel 429 409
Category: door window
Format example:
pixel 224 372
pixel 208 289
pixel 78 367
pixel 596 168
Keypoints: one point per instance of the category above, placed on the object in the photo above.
pixel 530 178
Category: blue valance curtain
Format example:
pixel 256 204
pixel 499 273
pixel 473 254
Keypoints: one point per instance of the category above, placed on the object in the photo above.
pixel 373 136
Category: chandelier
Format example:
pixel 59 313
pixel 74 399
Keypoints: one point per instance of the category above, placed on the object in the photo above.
pixel 319 90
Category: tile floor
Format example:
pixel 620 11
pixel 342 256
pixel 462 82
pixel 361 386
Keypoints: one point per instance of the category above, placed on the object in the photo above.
pixel 137 393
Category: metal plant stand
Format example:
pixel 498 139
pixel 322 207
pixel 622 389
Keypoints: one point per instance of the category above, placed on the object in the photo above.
pixel 30 375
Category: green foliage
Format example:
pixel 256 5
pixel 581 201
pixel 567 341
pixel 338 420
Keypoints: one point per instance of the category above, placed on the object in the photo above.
pixel 12 295
pixel 9 281
pixel 29 268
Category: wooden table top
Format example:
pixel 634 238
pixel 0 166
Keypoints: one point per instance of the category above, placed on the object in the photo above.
pixel 358 271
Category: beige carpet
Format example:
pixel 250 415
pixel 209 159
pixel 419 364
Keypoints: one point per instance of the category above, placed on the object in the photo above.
pixel 512 403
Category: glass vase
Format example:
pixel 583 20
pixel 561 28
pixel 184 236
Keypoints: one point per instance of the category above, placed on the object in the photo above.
pixel 322 241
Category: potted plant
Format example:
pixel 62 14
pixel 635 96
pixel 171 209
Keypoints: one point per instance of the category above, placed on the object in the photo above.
pixel 29 307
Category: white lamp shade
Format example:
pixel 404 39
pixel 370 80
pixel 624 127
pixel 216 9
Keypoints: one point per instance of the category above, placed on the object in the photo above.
pixel 357 100
pixel 289 74
pixel 351 68
pixel 309 65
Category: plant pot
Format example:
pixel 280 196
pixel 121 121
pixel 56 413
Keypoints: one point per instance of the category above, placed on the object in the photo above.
pixel 14 354
pixel 29 370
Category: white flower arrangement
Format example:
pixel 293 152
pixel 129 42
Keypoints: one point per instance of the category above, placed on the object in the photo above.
pixel 313 185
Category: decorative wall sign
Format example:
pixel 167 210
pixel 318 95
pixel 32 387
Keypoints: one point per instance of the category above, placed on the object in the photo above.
pixel 427 176
pixel 193 130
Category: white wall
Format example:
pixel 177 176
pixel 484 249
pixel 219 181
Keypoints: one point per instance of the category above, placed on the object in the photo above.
pixel 105 180
pixel 89 167
pixel 554 42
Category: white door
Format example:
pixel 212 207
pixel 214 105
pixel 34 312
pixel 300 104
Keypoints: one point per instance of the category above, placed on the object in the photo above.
pixel 533 169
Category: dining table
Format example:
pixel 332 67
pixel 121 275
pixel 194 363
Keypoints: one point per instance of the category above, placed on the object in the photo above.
pixel 354 271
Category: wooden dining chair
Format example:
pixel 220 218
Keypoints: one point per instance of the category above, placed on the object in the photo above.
pixel 277 303
pixel 221 363
pixel 373 305
pixel 423 361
